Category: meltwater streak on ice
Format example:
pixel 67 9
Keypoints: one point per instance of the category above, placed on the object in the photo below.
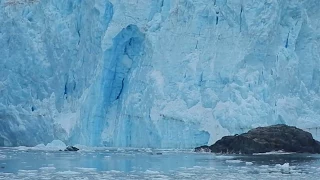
pixel 155 73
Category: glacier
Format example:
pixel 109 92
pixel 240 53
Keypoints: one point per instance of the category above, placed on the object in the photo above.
pixel 156 73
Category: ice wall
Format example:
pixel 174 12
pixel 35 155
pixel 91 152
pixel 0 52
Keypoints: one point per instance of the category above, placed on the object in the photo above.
pixel 50 53
pixel 156 73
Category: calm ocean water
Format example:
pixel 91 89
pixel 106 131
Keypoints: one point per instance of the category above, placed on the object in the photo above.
pixel 99 163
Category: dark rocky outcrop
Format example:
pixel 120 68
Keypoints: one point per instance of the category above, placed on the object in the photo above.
pixel 71 148
pixel 266 139
pixel 203 149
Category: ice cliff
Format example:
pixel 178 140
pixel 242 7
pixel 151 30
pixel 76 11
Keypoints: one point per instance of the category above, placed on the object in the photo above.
pixel 156 73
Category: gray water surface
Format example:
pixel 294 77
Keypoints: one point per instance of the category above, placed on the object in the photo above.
pixel 24 163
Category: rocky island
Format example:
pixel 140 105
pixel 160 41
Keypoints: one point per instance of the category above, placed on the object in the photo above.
pixel 266 139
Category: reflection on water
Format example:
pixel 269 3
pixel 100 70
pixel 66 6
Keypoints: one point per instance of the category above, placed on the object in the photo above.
pixel 157 164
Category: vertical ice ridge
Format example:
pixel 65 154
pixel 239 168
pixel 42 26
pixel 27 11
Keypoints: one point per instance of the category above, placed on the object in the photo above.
pixel 109 87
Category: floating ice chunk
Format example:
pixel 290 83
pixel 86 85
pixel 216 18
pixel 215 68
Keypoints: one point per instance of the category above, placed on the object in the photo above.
pixel 184 174
pixel 233 161
pixel 68 173
pixel 148 150
pixel 249 163
pixel 86 169
pixel 284 166
pixel 22 148
pixel 151 172
pixel 120 150
pixel 27 172
pixel 54 145
pixel 2 156
pixel 264 166
pixel 224 157
pixel 57 144
pixel 274 152
pixel 39 147
pixel 114 171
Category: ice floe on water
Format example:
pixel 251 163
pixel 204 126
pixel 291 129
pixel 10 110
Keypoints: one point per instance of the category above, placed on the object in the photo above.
pixel 68 173
pixel 249 163
pixel 47 168
pixel 274 153
pixel 86 169
pixel 2 156
pixel 124 163
pixel 224 157
pixel 151 172
pixel 234 161
pixel 56 145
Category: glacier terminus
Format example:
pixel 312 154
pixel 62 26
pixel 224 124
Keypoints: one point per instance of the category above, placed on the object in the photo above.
pixel 156 73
